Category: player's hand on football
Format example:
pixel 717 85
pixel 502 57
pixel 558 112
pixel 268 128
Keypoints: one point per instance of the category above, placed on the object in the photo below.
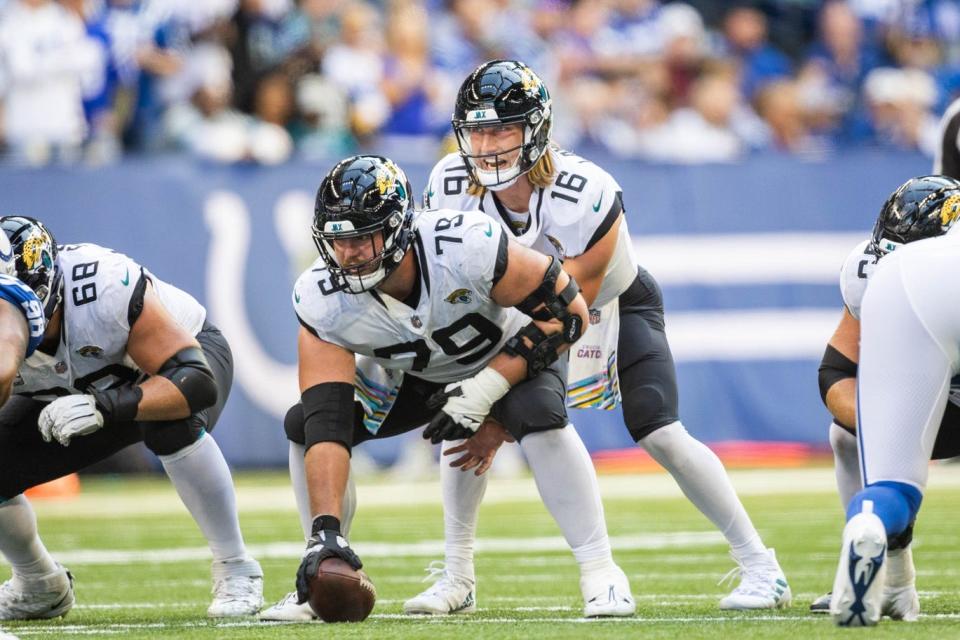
pixel 325 542
pixel 464 405
pixel 68 417
pixel 480 449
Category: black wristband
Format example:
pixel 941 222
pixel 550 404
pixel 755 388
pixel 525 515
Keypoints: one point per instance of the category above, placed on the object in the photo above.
pixel 119 404
pixel 325 523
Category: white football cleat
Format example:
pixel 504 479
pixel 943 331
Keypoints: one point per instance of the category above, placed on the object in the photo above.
pixel 762 584
pixel 861 574
pixel 900 599
pixel 7 636
pixel 448 595
pixel 287 610
pixel 607 595
pixel 48 597
pixel 237 589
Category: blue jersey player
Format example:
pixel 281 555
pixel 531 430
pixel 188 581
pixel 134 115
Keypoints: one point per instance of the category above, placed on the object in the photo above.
pixel 21 321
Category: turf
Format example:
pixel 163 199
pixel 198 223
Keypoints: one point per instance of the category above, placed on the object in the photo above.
pixel 142 572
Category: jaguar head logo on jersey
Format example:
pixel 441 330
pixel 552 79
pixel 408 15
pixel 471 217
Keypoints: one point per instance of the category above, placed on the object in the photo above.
pixel 35 258
pixel 363 220
pixel 502 121
pixel 923 207
pixel 460 296
pixel 90 351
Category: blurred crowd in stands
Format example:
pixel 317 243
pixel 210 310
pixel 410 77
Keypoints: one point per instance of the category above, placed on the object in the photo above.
pixel 257 81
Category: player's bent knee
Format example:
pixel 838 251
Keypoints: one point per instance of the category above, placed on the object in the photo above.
pixel 294 424
pixel 165 439
pixel 645 410
pixel 524 413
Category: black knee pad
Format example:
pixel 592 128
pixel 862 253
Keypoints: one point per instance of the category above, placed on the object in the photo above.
pixel 294 424
pixel 901 540
pixel 533 405
pixel 166 438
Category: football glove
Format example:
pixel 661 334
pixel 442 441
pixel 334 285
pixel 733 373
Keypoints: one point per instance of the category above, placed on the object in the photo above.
pixel 464 405
pixel 68 417
pixel 325 542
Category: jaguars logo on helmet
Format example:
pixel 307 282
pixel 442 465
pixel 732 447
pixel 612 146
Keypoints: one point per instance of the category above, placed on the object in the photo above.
pixel 923 207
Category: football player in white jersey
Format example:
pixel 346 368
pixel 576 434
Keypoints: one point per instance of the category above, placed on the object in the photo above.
pixel 909 353
pixel 430 299
pixel 125 358
pixel 565 206
pixel 923 207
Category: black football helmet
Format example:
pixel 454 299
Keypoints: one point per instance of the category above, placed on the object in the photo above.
pixel 35 259
pixel 920 208
pixel 499 93
pixel 362 197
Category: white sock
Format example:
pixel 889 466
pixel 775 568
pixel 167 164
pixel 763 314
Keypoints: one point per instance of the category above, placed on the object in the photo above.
pixel 298 478
pixel 568 486
pixel 702 478
pixel 202 479
pixel 900 570
pixel 20 542
pixel 846 463
pixel 462 493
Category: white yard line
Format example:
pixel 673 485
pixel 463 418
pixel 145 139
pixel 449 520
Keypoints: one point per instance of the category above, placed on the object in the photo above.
pixel 92 629
pixel 426 548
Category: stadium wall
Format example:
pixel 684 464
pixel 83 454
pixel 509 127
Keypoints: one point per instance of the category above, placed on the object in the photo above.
pixel 748 256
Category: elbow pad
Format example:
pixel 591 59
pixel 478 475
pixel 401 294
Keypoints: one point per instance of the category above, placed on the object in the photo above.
pixel 555 305
pixel 833 368
pixel 189 372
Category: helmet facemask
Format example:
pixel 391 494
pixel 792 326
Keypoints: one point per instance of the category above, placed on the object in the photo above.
pixel 366 275
pixel 526 153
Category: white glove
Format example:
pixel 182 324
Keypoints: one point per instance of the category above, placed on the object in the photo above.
pixel 467 404
pixel 69 416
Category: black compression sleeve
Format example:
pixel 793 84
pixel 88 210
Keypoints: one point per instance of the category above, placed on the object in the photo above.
pixel 833 368
pixel 328 414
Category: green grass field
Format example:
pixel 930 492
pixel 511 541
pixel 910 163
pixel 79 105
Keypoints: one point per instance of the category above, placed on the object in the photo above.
pixel 142 570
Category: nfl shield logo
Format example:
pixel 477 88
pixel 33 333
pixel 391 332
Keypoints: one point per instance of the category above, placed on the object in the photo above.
pixel 416 322
pixel 594 316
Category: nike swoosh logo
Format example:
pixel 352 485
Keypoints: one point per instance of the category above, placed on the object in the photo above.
pixel 296 296
pixel 430 193
pixel 489 231
pixel 126 278
pixel 596 207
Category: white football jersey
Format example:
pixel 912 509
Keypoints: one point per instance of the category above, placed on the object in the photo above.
pixel 565 219
pixel 854 274
pixel 100 294
pixel 455 328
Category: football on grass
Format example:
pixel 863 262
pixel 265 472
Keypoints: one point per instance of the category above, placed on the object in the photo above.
pixel 339 593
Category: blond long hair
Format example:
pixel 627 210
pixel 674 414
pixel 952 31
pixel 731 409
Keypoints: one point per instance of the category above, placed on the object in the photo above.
pixel 540 175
